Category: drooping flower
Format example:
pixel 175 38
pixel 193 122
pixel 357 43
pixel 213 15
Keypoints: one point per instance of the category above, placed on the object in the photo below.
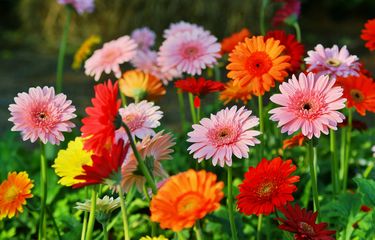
pixel 140 85
pixel 368 34
pixel 110 56
pixel 332 62
pixel 294 141
pixel 223 135
pixel 152 150
pixel 229 43
pixel 182 27
pixel 144 37
pixel 13 194
pixel 42 114
pixel 161 237
pixel 186 198
pixel 69 162
pixel 258 63
pixel 288 13
pixel 303 224
pixel 84 51
pixel 235 92
pixel 141 118
pixel 293 48
pixel 81 6
pixel 267 186
pixel 359 92
pixel 189 52
pixel 98 130
pixel 309 104
pixel 105 168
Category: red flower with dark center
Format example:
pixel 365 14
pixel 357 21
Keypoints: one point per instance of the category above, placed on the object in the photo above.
pixel 267 186
pixel 105 166
pixel 289 9
pixel 302 223
pixel 293 48
pixel 98 128
pixel 368 34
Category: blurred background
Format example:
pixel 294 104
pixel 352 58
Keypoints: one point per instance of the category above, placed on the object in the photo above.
pixel 31 32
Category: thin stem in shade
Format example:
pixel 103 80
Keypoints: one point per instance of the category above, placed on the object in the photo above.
pixel 314 182
pixel 105 231
pixel 198 114
pixel 262 21
pixel 124 214
pixel 230 204
pixel 298 31
pixel 43 198
pixel 90 226
pixel 334 165
pixel 62 48
pixel 85 216
pixel 342 152
pixel 261 127
pixel 181 104
pixel 123 99
pixel 192 108
pixel 54 223
pixel 347 149
pixel 368 169
pixel 259 227
pixel 198 231
pixel 153 224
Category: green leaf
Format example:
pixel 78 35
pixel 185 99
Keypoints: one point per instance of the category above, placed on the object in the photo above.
pixel 367 188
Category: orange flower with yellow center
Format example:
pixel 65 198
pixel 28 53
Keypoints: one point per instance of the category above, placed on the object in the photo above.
pixel 258 63
pixel 186 198
pixel 140 85
pixel 229 43
pixel 13 194
pixel 234 92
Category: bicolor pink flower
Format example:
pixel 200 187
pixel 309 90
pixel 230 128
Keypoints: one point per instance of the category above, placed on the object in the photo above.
pixel 109 58
pixel 181 27
pixel 189 52
pixel 223 135
pixel 309 104
pixel 144 37
pixel 42 114
pixel 332 61
pixel 81 6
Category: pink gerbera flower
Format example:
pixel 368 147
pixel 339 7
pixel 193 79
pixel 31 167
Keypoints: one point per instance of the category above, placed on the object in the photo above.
pixel 310 104
pixel 110 57
pixel 180 27
pixel 42 114
pixel 144 37
pixel 81 6
pixel 332 62
pixel 223 135
pixel 189 52
pixel 141 119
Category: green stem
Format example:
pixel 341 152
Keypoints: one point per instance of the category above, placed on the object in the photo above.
pixel 298 31
pixel 368 170
pixel 334 167
pixel 105 231
pixel 124 215
pixel 62 48
pixel 85 216
pixel 217 72
pixel 230 205
pixel 43 187
pixel 259 227
pixel 342 153
pixel 312 167
pixel 192 108
pixel 198 231
pixel 123 99
pixel 262 17
pixel 91 223
pixel 347 149
pixel 198 114
pixel 153 225
pixel 261 127
pixel 181 104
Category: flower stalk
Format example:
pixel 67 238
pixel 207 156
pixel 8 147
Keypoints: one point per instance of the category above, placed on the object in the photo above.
pixel 123 214
pixel 90 226
pixel 347 149
pixel 311 159
pixel 334 164
pixel 230 204
pixel 43 198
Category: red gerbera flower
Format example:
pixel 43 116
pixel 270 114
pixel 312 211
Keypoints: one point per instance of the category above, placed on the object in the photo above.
pixel 289 9
pixel 302 223
pixel 105 168
pixel 368 34
pixel 98 128
pixel 293 48
pixel 267 186
pixel 228 43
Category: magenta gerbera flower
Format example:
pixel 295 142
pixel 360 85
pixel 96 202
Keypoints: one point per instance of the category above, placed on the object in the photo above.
pixel 144 37
pixel 189 52
pixel 332 62
pixel 309 104
pixel 109 58
pixel 180 27
pixel 223 135
pixel 42 114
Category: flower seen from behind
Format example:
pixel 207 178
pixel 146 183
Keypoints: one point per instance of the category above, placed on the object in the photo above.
pixel 288 13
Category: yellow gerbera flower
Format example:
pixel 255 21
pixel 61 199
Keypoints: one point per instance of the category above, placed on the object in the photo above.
pixel 69 162
pixel 161 237
pixel 85 50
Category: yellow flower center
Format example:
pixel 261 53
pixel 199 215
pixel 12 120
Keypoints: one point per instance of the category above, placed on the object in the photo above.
pixel 11 194
pixel 265 190
pixel 189 202
pixel 357 95
pixel 333 62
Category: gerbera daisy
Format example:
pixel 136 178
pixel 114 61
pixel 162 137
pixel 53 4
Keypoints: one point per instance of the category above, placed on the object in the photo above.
pixel 13 194
pixel 98 130
pixel 310 104
pixel 69 162
pixel 294 141
pixel 181 27
pixel 154 150
pixel 186 198
pixel 228 43
pixel 141 118
pixel 258 63
pixel 234 92
pixel 293 48
pixel 332 62
pixel 223 135
pixel 105 168
pixel 267 186
pixel 189 52
pixel 303 224
pixel 42 114
pixel 368 34
pixel 84 51
pixel 105 205
pixel 81 6
pixel 359 92
pixel 144 37
pixel 109 58
pixel 289 12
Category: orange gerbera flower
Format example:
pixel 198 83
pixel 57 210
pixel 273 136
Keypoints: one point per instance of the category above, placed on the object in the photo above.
pixel 185 198
pixel 13 194
pixel 368 34
pixel 294 141
pixel 234 92
pixel 258 63
pixel 140 85
pixel 228 43
pixel 359 92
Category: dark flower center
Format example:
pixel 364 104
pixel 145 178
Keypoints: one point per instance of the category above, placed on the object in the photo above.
pixel 306 228
pixel 357 95
pixel 258 63
pixel 307 106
